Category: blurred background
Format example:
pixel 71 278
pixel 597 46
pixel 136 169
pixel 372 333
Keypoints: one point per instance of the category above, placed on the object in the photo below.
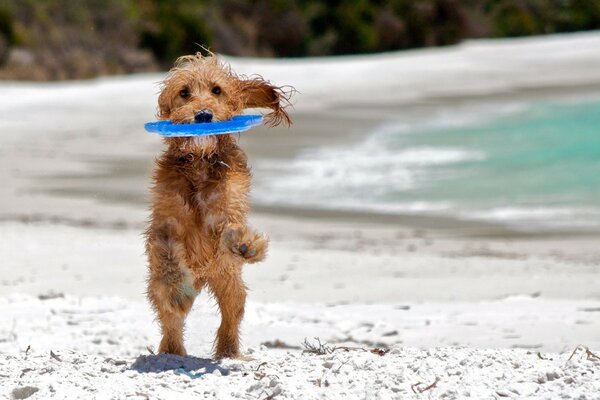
pixel 61 39
pixel 443 152
pixel 467 162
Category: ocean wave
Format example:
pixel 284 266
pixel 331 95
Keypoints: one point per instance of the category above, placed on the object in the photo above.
pixel 448 117
pixel 532 171
pixel 360 176
pixel 538 217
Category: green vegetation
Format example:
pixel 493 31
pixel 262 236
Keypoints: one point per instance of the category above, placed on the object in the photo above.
pixel 63 39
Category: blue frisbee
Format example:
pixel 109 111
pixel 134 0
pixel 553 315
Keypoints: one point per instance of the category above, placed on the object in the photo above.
pixel 239 123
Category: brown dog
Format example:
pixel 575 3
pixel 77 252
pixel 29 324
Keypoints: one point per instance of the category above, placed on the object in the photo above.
pixel 198 235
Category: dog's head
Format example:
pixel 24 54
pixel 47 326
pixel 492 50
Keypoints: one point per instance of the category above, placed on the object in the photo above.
pixel 203 89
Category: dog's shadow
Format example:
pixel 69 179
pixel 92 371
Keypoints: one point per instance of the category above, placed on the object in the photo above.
pixel 182 365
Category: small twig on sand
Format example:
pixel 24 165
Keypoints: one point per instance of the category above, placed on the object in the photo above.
pixel 588 353
pixel 258 374
pixel 572 354
pixel 348 348
pixel 57 358
pixel 262 364
pixel 323 348
pixel 416 389
pixel 27 350
pixel 380 351
pixel 337 371
pixel 144 395
pixel 320 349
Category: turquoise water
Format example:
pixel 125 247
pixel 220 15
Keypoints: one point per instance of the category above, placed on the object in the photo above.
pixel 538 168
pixel 547 157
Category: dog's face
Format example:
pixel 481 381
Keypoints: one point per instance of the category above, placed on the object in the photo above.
pixel 201 89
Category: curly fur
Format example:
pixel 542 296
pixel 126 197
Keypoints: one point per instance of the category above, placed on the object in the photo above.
pixel 198 235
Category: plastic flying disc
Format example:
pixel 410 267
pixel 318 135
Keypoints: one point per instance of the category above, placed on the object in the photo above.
pixel 239 123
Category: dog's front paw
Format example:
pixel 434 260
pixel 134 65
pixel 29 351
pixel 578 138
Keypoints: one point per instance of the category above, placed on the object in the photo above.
pixel 245 243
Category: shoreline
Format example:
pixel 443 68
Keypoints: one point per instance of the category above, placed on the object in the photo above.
pixel 439 225
pixel 436 225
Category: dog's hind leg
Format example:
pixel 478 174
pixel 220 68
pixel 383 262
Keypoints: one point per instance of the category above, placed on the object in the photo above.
pixel 172 304
pixel 172 325
pixel 171 291
pixel 230 293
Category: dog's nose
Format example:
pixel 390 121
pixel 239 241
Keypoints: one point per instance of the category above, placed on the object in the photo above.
pixel 203 116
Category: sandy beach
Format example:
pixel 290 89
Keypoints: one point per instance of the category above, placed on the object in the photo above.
pixel 481 308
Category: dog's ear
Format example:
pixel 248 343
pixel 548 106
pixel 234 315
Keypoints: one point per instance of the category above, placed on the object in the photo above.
pixel 164 103
pixel 261 94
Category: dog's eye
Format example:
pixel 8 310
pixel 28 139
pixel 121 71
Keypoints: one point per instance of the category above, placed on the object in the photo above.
pixel 184 93
pixel 216 90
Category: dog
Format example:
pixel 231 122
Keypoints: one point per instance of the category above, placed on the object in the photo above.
pixel 197 236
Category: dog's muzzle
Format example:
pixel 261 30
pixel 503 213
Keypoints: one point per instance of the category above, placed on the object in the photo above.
pixel 203 116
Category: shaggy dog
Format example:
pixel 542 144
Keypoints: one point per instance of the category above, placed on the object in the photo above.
pixel 198 234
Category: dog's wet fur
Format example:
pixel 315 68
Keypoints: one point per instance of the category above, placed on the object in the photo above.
pixel 198 235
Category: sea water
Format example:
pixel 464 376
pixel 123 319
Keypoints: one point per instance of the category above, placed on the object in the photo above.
pixel 536 167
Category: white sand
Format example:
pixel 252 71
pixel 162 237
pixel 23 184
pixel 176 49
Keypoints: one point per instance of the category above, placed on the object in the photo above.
pixel 89 347
pixel 492 324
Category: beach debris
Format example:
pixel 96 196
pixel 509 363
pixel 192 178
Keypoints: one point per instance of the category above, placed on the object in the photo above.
pixel 588 354
pixel 379 351
pixel 24 371
pixel 57 358
pixel 139 394
pixel 324 349
pixel 319 348
pixel 258 374
pixel 348 348
pixel 320 382
pixel 46 370
pixel 51 295
pixel 338 369
pixel 416 387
